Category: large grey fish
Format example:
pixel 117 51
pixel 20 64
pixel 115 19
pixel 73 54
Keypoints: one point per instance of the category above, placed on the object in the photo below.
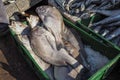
pixel 107 12
pixel 44 45
pixel 105 32
pixel 19 28
pixel 107 20
pixel 113 34
pixel 53 21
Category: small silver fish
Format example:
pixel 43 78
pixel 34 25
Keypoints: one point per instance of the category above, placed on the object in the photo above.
pixel 95 59
pixel 114 24
pixel 97 29
pixel 105 32
pixel 107 12
pixel 107 20
pixel 113 34
pixel 33 21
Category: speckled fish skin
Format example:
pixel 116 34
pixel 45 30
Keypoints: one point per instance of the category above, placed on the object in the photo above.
pixel 97 29
pixel 42 42
pixel 19 28
pixel 114 24
pixel 53 21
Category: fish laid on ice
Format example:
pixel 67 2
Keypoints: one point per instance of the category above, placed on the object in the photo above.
pixel 53 21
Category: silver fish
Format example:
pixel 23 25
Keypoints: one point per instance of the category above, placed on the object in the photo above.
pixel 113 34
pixel 18 28
pixel 43 43
pixel 34 22
pixel 64 71
pixel 107 12
pixel 97 29
pixel 53 21
pixel 107 20
pixel 95 59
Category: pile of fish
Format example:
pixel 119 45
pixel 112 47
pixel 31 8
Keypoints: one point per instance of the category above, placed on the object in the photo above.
pixel 54 46
pixel 109 27
pixel 81 9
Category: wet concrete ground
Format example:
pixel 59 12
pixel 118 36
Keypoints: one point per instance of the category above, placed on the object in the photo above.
pixel 12 64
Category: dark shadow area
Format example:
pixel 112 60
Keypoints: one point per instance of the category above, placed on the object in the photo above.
pixel 115 73
pixel 12 62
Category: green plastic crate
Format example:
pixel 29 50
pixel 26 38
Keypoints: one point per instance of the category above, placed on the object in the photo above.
pixel 111 52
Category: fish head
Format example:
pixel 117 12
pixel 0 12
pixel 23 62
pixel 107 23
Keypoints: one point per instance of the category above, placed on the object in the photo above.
pixel 33 20
pixel 46 12
pixel 17 27
pixel 43 11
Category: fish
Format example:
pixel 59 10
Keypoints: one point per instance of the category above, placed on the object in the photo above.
pixel 107 20
pixel 33 21
pixel 107 12
pixel 51 40
pixel 19 28
pixel 53 21
pixel 97 29
pixel 43 43
pixel 114 24
pixel 116 40
pixel 113 34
